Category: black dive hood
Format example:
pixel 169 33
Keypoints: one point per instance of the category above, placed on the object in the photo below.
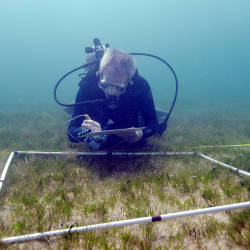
pixel 98 50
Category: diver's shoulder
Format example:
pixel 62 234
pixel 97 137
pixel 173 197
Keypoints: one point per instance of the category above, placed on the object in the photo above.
pixel 139 81
pixel 89 80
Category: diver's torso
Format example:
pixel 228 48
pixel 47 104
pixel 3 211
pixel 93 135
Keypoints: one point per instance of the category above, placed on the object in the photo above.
pixel 125 115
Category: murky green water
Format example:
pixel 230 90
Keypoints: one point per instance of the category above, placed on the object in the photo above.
pixel 206 42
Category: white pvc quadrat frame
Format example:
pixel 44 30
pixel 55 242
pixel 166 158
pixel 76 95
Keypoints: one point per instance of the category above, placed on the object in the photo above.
pixel 45 235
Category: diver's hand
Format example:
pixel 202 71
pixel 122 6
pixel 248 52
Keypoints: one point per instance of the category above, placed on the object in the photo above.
pixel 132 137
pixel 92 125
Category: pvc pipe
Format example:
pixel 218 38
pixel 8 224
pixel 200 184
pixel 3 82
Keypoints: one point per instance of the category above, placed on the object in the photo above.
pixel 225 165
pixel 105 153
pixel 5 169
pixel 61 153
pixel 40 236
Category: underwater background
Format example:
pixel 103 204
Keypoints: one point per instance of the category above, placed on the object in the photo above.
pixel 206 42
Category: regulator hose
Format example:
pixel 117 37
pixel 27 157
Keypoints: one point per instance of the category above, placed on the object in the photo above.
pixel 63 77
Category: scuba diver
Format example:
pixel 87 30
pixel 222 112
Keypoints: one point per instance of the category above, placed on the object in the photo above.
pixel 127 102
pixel 114 106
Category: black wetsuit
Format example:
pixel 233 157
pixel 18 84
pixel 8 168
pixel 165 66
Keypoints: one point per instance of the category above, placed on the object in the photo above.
pixel 135 109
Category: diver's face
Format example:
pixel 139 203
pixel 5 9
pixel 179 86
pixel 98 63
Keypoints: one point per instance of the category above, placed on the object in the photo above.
pixel 113 87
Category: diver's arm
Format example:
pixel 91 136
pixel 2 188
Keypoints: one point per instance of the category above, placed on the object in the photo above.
pixel 75 131
pixel 148 112
pixel 79 125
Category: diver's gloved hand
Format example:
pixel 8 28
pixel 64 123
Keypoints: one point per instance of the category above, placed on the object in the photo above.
pixel 92 125
pixel 132 137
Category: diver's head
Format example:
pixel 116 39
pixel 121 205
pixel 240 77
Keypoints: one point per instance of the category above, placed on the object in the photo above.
pixel 117 69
